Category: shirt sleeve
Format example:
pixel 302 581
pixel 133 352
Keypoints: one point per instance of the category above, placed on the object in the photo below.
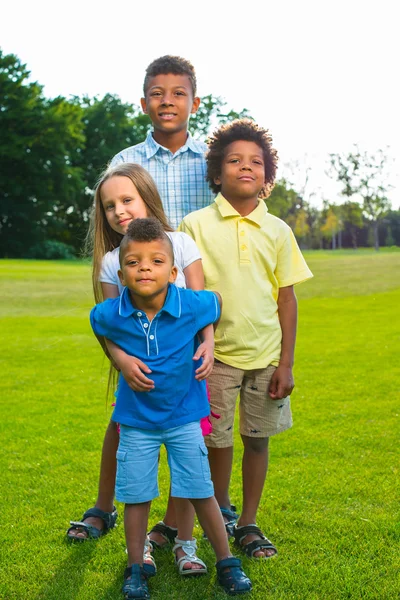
pixel 109 272
pixel 116 160
pixel 95 320
pixel 206 308
pixel 189 250
pixel 102 316
pixel 291 267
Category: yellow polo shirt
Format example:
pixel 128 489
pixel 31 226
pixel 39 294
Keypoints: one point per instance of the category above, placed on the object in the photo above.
pixel 246 259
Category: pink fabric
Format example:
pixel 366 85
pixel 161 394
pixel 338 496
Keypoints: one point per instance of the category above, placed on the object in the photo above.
pixel 205 423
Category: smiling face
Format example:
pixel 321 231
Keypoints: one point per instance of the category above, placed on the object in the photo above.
pixel 147 268
pixel 169 102
pixel 242 171
pixel 121 203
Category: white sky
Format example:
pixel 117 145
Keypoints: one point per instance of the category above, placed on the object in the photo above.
pixel 320 75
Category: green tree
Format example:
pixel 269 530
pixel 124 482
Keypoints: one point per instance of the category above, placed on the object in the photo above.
pixel 39 142
pixel 330 227
pixel 283 200
pixel 351 213
pixel 212 113
pixel 365 175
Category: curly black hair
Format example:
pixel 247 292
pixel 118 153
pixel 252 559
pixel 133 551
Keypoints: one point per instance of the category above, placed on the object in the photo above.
pixel 144 230
pixel 170 64
pixel 247 130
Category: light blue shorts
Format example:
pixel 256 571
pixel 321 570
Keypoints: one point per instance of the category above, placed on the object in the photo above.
pixel 137 463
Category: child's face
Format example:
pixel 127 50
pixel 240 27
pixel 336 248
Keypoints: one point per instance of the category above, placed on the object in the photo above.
pixel 147 268
pixel 169 101
pixel 121 203
pixel 242 171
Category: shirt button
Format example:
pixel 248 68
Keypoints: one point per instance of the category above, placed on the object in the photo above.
pixel 243 247
pixel 145 324
pixel 139 314
pixel 242 233
pixel 172 192
pixel 152 337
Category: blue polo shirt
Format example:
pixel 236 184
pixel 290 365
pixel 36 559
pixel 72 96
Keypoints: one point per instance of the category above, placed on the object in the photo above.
pixel 166 345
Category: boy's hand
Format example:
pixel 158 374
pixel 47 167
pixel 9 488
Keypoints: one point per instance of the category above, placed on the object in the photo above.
pixel 206 351
pixel 134 371
pixel 282 383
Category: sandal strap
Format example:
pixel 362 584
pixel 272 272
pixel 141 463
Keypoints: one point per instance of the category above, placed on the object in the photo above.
pixel 109 519
pixel 229 513
pixel 189 547
pixel 168 533
pixel 92 531
pixel 241 532
pixel 136 585
pixel 231 576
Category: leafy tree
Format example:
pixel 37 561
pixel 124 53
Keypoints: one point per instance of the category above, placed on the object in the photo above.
pixel 365 175
pixel 39 141
pixel 283 200
pixel 211 114
pixel 351 213
pixel 330 227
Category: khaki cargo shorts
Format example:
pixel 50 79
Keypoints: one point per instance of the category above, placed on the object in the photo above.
pixel 260 415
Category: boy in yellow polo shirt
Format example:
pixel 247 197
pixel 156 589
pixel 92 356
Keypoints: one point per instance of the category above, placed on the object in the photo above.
pixel 253 260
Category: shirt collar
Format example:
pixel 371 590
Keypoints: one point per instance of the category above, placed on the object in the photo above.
pixel 172 304
pixel 226 210
pixel 152 147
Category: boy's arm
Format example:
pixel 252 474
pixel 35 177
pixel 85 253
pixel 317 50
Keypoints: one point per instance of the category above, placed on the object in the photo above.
pixel 206 349
pixel 132 369
pixel 282 382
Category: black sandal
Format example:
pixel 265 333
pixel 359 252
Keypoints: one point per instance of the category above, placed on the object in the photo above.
pixel 168 533
pixel 135 583
pixel 240 533
pixel 232 516
pixel 232 577
pixel 93 533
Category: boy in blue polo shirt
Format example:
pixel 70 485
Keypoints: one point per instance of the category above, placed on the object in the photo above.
pixel 160 323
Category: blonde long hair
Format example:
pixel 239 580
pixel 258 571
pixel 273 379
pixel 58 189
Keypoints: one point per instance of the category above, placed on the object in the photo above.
pixel 101 238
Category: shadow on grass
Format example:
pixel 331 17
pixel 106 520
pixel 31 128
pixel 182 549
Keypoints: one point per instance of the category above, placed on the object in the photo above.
pixel 68 578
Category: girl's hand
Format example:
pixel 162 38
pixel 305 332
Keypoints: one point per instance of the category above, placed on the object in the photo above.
pixel 205 351
pixel 133 371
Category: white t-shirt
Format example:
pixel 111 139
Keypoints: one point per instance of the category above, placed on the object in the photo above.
pixel 185 253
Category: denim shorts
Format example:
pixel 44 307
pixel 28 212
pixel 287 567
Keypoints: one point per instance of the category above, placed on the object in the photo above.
pixel 137 463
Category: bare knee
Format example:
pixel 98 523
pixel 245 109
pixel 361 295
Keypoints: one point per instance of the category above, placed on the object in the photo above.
pixel 256 445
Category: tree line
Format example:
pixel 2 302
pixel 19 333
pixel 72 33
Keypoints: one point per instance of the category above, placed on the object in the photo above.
pixel 53 150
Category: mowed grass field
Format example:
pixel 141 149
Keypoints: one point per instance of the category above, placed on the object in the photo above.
pixel 331 502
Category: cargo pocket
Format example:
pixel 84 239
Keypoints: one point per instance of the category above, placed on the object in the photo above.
pixel 205 465
pixel 121 468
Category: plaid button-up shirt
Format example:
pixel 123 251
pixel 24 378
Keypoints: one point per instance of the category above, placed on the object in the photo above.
pixel 180 177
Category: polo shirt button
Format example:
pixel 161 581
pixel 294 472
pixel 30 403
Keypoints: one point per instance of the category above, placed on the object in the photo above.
pixel 145 324
pixel 242 233
pixel 139 314
pixel 243 247
pixel 152 337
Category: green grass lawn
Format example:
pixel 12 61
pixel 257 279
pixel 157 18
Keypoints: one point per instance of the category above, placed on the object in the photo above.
pixel 331 502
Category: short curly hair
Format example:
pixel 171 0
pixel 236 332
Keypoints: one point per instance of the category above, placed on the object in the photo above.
pixel 170 64
pixel 247 130
pixel 144 230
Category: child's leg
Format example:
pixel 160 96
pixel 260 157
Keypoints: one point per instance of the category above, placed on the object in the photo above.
pixel 260 417
pixel 209 515
pixel 224 385
pixel 135 521
pixel 220 460
pixel 108 468
pixel 254 472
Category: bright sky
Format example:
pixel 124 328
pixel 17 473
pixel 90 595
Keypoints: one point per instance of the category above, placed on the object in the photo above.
pixel 321 76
